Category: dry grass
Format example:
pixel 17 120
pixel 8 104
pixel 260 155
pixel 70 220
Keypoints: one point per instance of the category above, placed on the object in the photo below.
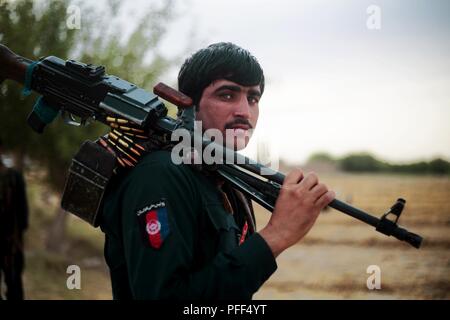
pixel 331 261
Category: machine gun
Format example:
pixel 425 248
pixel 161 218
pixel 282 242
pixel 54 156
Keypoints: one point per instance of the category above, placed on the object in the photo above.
pixel 135 116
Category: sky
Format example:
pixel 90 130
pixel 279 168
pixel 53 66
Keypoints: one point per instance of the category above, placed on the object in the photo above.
pixel 332 83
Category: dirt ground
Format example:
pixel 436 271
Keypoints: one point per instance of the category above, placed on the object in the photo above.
pixel 329 263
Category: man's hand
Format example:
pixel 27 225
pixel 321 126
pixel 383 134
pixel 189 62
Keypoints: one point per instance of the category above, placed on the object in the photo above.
pixel 300 201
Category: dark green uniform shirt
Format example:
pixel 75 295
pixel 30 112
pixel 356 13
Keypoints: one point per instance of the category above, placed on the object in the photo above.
pixel 191 251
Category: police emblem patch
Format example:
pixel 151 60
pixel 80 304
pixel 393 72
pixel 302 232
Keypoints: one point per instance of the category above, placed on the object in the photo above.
pixel 154 224
pixel 153 227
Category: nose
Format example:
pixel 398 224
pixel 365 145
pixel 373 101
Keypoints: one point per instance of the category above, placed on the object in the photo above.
pixel 242 108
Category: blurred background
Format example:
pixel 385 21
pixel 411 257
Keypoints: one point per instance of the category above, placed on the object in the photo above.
pixel 357 91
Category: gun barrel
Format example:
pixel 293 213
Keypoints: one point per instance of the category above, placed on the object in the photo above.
pixel 12 66
pixel 277 177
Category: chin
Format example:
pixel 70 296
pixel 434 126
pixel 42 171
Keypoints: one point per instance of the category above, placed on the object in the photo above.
pixel 238 144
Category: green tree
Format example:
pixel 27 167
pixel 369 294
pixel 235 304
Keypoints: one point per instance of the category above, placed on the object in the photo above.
pixel 439 166
pixel 323 157
pixel 360 162
pixel 17 20
pixel 123 57
pixel 34 29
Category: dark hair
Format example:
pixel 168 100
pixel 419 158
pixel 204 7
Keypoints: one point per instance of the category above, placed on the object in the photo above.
pixel 223 60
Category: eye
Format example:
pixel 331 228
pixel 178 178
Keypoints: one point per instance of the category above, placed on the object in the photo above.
pixel 226 96
pixel 253 99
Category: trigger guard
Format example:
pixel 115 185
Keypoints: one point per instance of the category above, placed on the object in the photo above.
pixel 70 120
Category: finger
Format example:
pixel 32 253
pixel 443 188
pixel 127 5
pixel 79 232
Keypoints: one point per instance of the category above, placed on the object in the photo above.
pixel 325 199
pixel 293 177
pixel 309 181
pixel 319 190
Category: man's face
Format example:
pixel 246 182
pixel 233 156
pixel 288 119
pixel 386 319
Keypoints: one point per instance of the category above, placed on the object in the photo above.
pixel 228 106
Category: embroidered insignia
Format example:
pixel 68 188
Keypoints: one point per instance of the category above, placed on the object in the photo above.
pixel 154 224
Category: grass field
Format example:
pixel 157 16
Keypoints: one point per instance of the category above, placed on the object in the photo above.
pixel 329 263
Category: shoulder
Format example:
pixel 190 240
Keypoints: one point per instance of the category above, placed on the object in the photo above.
pixel 156 175
pixel 160 158
pixel 158 167
pixel 154 179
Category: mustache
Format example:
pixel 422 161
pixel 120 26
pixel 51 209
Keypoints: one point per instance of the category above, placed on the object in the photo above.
pixel 236 121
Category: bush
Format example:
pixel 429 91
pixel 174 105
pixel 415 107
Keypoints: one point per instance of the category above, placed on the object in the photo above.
pixel 361 162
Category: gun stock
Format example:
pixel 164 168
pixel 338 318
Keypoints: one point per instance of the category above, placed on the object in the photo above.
pixel 13 66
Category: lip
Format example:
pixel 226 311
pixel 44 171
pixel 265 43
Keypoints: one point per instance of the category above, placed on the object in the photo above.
pixel 241 126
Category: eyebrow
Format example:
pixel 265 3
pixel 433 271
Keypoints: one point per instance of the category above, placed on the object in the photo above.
pixel 235 88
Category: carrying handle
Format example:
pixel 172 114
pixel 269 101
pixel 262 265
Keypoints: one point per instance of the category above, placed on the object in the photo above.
pixel 176 97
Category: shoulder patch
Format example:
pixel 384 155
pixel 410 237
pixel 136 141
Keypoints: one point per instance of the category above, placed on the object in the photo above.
pixel 154 223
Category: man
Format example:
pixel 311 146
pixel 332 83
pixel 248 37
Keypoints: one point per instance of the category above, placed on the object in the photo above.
pixel 13 223
pixel 173 232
